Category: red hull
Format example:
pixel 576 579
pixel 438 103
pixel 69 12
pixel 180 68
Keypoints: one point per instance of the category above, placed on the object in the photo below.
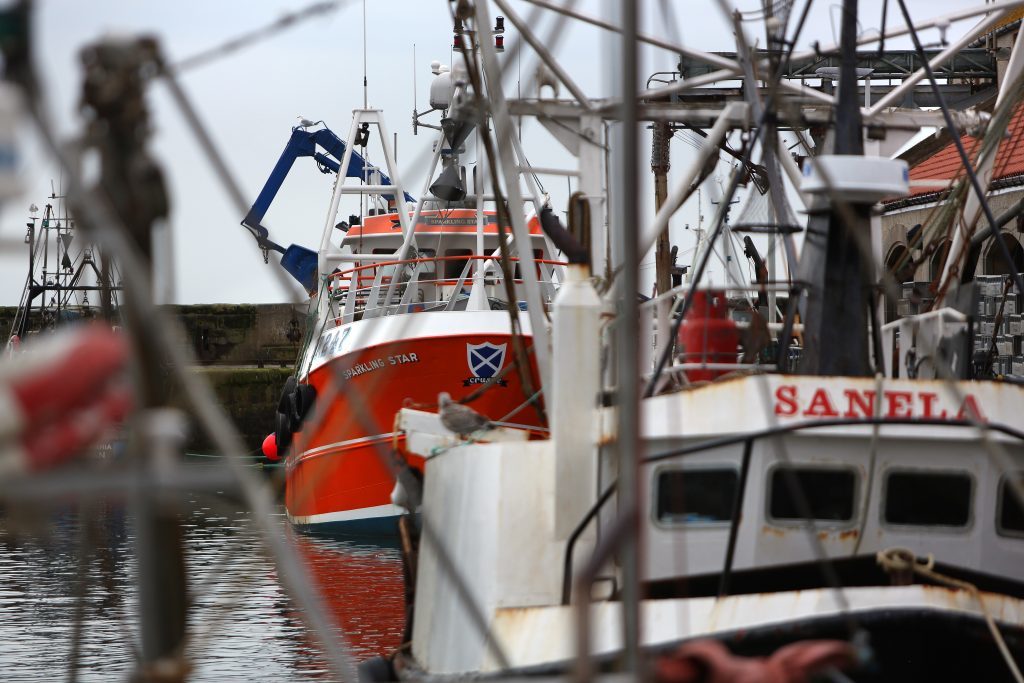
pixel 341 477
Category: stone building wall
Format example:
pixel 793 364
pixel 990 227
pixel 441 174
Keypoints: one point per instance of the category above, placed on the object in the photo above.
pixel 896 224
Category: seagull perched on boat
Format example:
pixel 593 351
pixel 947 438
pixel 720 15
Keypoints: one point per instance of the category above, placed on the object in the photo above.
pixel 460 419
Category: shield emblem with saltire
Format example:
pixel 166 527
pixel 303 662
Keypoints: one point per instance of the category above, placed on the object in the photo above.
pixel 485 359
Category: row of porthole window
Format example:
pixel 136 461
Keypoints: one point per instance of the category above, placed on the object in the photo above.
pixel 910 497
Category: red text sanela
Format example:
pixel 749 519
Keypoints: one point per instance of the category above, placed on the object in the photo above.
pixel 795 401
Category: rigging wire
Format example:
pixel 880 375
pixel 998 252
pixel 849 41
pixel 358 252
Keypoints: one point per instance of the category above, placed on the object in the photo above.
pixel 251 37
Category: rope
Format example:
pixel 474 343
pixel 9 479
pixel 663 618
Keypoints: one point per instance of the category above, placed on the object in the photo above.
pixel 872 460
pixel 904 560
pixel 536 394
pixel 218 456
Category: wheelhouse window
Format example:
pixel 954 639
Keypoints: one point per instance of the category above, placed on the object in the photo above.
pixel 828 492
pixel 386 272
pixel 1010 513
pixel 453 267
pixel 428 269
pixel 517 273
pixel 917 498
pixel 695 496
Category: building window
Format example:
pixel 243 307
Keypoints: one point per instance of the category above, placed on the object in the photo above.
pixel 938 260
pixel 900 266
pixel 829 493
pixel 928 499
pixel 696 496
pixel 1009 512
pixel 996 263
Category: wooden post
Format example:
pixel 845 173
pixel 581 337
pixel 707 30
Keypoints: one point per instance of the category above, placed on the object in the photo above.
pixel 660 139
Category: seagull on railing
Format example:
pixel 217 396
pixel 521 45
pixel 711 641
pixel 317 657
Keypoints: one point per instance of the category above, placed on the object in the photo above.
pixel 460 419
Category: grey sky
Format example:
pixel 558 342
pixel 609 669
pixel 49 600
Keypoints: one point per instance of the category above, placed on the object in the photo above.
pixel 250 100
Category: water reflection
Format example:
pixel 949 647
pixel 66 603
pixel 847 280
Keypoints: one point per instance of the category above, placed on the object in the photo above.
pixel 242 625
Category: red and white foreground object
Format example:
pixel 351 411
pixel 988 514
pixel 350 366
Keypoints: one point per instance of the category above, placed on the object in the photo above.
pixel 59 394
pixel 709 661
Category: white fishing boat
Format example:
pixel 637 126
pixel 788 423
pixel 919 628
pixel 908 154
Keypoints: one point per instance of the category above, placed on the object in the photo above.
pixel 806 473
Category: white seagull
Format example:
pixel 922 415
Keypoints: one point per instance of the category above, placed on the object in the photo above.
pixel 460 419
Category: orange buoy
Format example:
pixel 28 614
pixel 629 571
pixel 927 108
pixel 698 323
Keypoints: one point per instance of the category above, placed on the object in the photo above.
pixel 270 447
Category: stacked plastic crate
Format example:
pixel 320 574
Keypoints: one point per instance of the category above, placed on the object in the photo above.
pixel 999 343
pixel 917 297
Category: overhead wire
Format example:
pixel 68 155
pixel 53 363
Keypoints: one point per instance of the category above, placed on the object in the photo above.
pixel 254 36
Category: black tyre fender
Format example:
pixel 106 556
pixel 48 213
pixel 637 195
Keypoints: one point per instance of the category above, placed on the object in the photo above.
pixel 286 392
pixel 283 433
pixel 305 397
pixel 376 670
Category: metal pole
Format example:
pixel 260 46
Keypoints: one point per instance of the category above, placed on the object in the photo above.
pixel 734 526
pixel 124 159
pixel 626 338
pixel 689 181
pixel 478 297
pixel 973 206
pixel 837 304
pixel 505 137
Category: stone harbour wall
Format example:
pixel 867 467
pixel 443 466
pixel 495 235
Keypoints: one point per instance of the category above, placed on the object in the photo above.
pixel 230 334
pixel 250 396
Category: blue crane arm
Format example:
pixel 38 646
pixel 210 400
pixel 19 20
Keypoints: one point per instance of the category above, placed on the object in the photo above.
pixel 357 165
pixel 304 143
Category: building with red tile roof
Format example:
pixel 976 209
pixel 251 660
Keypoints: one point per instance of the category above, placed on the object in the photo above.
pixel 946 166
pixel 918 259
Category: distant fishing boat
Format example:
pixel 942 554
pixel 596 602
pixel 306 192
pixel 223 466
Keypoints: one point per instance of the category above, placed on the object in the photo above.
pixel 67 279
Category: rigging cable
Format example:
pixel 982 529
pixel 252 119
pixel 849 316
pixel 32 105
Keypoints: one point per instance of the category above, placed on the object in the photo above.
pixel 246 39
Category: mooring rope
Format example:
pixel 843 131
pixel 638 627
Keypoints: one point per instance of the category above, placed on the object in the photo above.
pixel 904 560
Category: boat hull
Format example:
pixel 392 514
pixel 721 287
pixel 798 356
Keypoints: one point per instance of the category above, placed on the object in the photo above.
pixel 340 475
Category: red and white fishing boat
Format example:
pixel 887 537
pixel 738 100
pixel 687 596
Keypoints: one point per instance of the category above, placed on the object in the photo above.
pixel 410 303
pixel 433 336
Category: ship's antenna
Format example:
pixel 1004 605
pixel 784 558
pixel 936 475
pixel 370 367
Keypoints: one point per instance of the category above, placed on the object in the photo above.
pixel 366 96
pixel 519 88
pixel 415 101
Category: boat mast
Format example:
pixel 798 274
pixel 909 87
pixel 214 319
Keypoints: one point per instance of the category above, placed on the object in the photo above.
pixel 838 297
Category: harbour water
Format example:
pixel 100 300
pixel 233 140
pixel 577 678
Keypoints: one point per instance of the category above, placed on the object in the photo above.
pixel 242 624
